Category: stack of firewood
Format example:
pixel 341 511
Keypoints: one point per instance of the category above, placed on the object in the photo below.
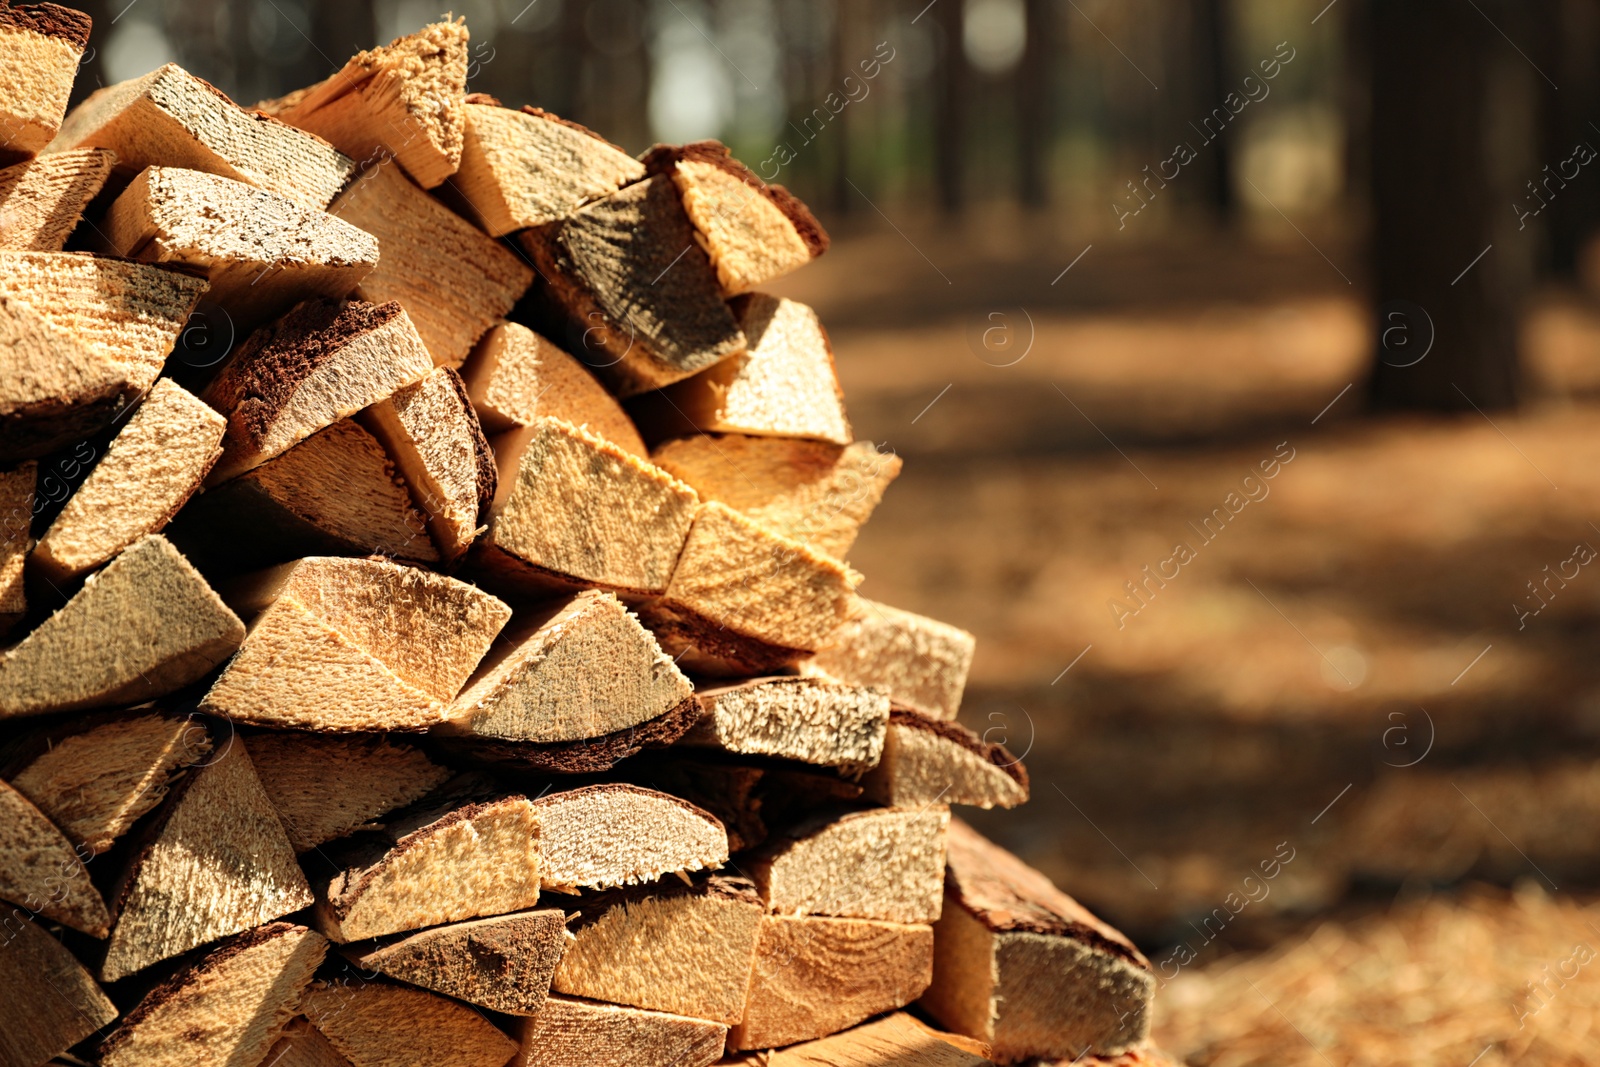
pixel 423 555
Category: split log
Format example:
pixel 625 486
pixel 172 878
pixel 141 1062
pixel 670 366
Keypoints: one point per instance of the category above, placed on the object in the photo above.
pixel 170 118
pixel 344 645
pixel 568 1032
pixel 591 755
pixel 154 464
pixel 899 1039
pixel 922 662
pixel 750 801
pixel 229 1008
pixel 927 761
pixel 40 869
pixel 16 517
pixel 680 949
pixel 454 279
pixel 40 48
pixel 41 200
pixel 609 835
pixel 375 1024
pixel 53 388
pixel 804 719
pixel 51 1001
pixel 815 493
pixel 322 362
pixel 215 862
pixel 302 1045
pixel 814 977
pixel 145 625
pixel 1024 967
pixel 503 963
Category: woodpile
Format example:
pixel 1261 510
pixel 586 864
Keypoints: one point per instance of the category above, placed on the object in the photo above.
pixel 465 669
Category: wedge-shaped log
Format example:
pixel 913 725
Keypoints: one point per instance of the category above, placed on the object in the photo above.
pixel 804 719
pixel 40 48
pixel 453 278
pixel 344 645
pixel 568 1032
pixel 750 801
pixel 783 385
pixel 928 761
pixel 430 866
pixel 374 1024
pixel 680 949
pixel 170 118
pixel 590 755
pixel 899 1039
pixel 503 963
pixel 636 295
pixel 922 662
pixel 325 787
pixel 228 1008
pixel 404 99
pixel 302 1045
pixel 16 516
pixel 808 491
pixel 154 464
pixel 145 625
pixel 53 388
pixel 262 252
pixel 1024 967
pixel 51 1001
pixel 814 977
pixel 41 200
pixel 322 362
pixel 610 835
pixel 40 869
pixel 215 862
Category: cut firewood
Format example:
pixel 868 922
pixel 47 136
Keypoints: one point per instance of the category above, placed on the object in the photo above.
pixel 637 295
pixel 51 1001
pixel 783 385
pixel 170 118
pixel 590 755
pixel 345 645
pixel 804 719
pixel 680 949
pixel 922 662
pixel 214 863
pixel 750 801
pixel 568 1032
pixel 40 48
pixel 1024 967
pixel 404 99
pixel 262 252
pixel 814 977
pixel 616 835
pixel 746 601
pixel 375 1024
pixel 528 168
pixel 429 866
pixel 16 515
pixel 41 200
pixel 53 388
pixel 453 278
pixel 302 1045
pixel 40 869
pixel 154 464
pixel 322 362
pixel 229 1008
pixel 927 761
pixel 503 963
pixel 898 1039
pixel 815 493
pixel 325 787
pixel 431 431
pixel 145 625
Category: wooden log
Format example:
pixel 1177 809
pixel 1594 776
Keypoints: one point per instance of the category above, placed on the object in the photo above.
pixel 214 862
pixel 51 1001
pixel 53 388
pixel 502 963
pixel 813 977
pixel 815 493
pixel 636 297
pixel 170 118
pixel 41 200
pixel 1024 967
pixel 16 517
pixel 568 1032
pixel 804 719
pixel 145 625
pixel 228 1008
pixel 41 870
pixel 686 950
pixel 154 464
pixel 322 362
pixel 928 761
pixel 590 755
pixel 454 279
pixel 922 662
pixel 602 836
pixel 899 1039
pixel 375 1024
pixel 344 645
pixel 41 46
pixel 302 1045
pixel 750 801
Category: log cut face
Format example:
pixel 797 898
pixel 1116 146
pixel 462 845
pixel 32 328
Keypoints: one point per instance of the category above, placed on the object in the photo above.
pixel 42 200
pixel 51 1001
pixel 16 518
pixel 53 389
pixel 40 48
pixel 803 719
pixel 41 870
pixel 610 835
pixel 374 1024
pixel 568 1032
pixel 302 1045
pixel 922 662
pixel 929 761
pixel 897 1039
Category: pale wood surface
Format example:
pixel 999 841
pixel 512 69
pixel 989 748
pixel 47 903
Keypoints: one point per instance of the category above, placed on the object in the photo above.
pixel 374 1024
pixel 41 870
pixel 608 835
pixel 568 1032
pixel 40 48
pixel 927 761
pixel 897 1039
pixel 302 1045
pixel 41 200
pixel 16 516
pixel 922 662
pixel 51 1001
pixel 53 388
pixel 804 719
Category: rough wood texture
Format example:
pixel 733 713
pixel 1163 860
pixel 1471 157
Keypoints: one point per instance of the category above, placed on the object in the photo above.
pixel 749 800
pixel 897 1039
pixel 53 388
pixel 590 755
pixel 261 251
pixel 375 1024
pixel 503 963
pixel 808 491
pixel 16 517
pixel 568 1032
pixel 813 977
pixel 40 48
pixel 145 625
pixel 922 662
pixel 40 869
pixel 322 362
pixel 678 949
pixel 41 200
pixel 302 1045
pixel 1024 967
pixel 454 279
pixel 326 787
pixel 804 719
pixel 783 385
pixel 616 835
pixel 170 118
pixel 227 1009
pixel 215 862
pixel 154 464
pixel 346 645
pixel 51 1002
pixel 926 761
